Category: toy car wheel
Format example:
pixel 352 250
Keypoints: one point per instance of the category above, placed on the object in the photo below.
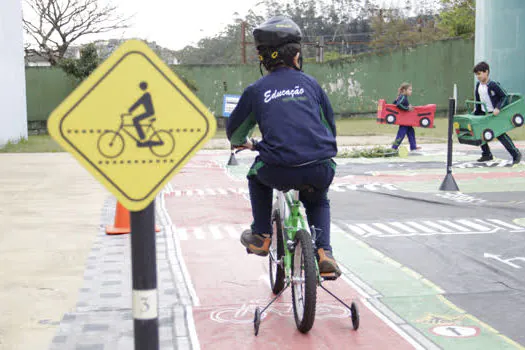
pixel 517 120
pixel 488 135
pixel 425 122
pixel 390 119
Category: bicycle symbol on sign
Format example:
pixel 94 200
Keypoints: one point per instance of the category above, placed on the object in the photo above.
pixel 161 143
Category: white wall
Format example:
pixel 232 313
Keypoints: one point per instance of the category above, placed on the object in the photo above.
pixel 500 41
pixel 13 110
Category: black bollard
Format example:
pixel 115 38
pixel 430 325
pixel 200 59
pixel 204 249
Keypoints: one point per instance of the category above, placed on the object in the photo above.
pixel 233 160
pixel 449 184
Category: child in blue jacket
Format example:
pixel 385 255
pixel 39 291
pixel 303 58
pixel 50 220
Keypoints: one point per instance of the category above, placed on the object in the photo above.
pixel 494 97
pixel 402 103
pixel 298 139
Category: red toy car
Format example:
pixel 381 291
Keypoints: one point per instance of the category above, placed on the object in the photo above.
pixel 422 116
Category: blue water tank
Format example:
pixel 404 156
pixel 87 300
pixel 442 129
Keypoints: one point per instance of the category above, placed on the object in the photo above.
pixel 500 41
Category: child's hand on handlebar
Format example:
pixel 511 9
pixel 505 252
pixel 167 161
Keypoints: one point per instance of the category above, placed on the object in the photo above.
pixel 249 144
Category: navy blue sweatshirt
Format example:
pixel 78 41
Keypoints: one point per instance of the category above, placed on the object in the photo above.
pixel 294 116
pixel 496 93
pixel 401 102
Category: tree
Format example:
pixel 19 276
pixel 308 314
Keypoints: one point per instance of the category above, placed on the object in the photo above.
pixel 84 66
pixel 459 17
pixel 59 23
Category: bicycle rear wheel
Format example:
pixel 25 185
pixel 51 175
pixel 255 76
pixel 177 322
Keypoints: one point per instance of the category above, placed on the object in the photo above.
pixel 276 254
pixel 304 282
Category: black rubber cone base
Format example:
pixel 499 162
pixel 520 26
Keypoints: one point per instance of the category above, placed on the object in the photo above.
pixel 449 184
pixel 233 160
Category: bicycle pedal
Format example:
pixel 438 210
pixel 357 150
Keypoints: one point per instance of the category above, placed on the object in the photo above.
pixel 329 276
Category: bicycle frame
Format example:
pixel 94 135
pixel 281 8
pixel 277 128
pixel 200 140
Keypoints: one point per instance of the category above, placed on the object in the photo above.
pixel 289 206
pixel 123 127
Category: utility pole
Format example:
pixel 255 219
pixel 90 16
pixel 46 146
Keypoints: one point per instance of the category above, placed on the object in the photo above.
pixel 243 42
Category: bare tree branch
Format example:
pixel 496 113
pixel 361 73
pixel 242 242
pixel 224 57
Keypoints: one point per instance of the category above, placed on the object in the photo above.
pixel 61 22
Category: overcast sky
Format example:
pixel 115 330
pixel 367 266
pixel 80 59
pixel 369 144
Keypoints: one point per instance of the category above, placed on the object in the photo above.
pixel 177 23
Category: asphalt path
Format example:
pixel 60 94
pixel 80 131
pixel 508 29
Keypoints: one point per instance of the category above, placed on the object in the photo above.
pixel 471 245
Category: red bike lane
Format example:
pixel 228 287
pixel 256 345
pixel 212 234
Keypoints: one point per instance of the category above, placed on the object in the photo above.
pixel 230 283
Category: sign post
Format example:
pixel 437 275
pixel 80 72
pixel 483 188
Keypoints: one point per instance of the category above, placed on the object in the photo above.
pixel 133 124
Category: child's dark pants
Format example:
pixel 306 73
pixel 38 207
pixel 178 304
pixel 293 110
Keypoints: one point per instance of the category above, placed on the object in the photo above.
pixel 263 178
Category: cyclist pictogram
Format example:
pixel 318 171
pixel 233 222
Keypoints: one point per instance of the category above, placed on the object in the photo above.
pixel 161 143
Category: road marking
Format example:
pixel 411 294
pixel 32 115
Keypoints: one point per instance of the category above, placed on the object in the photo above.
pixel 219 231
pixel 436 226
pixel 356 230
pixel 386 228
pixel 181 232
pixel 506 224
pixel 454 226
pixel 215 232
pixel 473 225
pixel 420 227
pixel 505 261
pixel 452 331
pixel 403 227
pixel 341 187
pixel 370 231
pixel 199 233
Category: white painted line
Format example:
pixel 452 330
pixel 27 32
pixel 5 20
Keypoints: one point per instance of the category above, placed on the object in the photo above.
pixel 386 228
pixel 390 187
pixel 189 193
pixel 215 232
pixel 356 230
pixel 370 230
pixel 210 191
pixel 178 193
pixel 199 233
pixel 473 225
pixel 200 192
pixel 195 345
pixel 438 226
pixel 177 259
pixel 221 191
pixel 371 187
pixel 403 227
pixel 181 233
pixel 420 227
pixel 336 188
pixel 352 187
pixel 454 226
pixel 232 232
pixel 506 224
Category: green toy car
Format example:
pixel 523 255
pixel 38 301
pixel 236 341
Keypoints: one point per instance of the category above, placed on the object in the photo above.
pixel 479 129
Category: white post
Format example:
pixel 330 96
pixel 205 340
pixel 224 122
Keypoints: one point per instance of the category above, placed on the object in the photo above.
pixel 13 118
pixel 455 98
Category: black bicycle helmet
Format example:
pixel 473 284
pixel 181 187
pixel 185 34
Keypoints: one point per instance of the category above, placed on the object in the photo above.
pixel 278 40
pixel 276 32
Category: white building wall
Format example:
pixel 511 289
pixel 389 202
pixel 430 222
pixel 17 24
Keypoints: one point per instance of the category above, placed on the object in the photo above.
pixel 13 109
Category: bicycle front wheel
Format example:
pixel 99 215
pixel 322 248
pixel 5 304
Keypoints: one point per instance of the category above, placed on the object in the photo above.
pixel 276 255
pixel 110 144
pixel 304 282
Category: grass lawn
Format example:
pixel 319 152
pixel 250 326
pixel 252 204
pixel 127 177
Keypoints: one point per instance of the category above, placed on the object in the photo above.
pixel 358 126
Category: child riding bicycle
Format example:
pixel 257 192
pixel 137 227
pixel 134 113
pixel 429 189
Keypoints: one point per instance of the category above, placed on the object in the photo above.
pixel 298 138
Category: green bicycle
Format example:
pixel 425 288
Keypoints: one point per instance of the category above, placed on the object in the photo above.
pixel 292 262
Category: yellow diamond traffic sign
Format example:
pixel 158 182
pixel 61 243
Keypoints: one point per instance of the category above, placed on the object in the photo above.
pixel 132 123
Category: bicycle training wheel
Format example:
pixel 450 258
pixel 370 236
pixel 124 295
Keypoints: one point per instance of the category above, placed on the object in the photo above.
pixel 276 254
pixel 110 144
pixel 167 146
pixel 304 282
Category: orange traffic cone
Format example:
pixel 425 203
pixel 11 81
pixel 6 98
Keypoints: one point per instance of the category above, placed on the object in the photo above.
pixel 122 222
